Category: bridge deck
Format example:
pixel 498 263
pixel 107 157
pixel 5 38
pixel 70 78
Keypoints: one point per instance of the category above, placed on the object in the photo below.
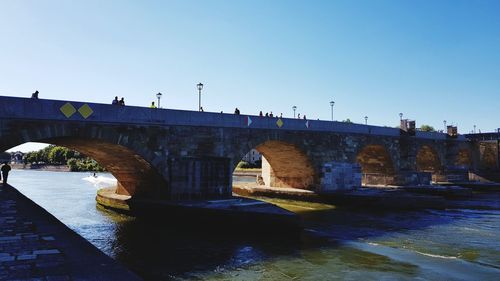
pixel 57 110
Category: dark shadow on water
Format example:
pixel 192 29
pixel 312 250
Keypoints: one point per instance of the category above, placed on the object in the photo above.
pixel 159 251
pixel 158 248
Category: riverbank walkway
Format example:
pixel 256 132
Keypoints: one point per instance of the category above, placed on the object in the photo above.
pixel 34 245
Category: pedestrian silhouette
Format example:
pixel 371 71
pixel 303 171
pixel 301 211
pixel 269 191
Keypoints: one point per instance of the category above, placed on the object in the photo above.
pixel 152 105
pixel 271 114
pixel 260 113
pixel 298 116
pixel 34 95
pixel 121 102
pixel 115 101
pixel 5 172
pixel 267 114
pixel 236 111
pixel 201 109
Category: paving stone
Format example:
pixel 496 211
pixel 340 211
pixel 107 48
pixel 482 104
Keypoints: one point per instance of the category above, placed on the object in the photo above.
pixel 10 238
pixel 6 258
pixel 19 267
pixel 58 278
pixel 46 252
pixel 26 257
pixel 48 238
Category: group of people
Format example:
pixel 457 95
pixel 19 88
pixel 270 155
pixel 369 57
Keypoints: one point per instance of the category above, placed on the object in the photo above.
pixel 270 114
pixel 5 172
pixel 119 102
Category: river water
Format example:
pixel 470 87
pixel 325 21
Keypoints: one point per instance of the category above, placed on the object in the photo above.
pixel 337 244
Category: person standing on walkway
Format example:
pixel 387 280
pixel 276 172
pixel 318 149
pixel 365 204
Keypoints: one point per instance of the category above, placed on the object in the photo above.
pixel 5 172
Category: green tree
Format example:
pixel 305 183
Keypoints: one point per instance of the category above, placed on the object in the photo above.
pixel 72 164
pixel 427 128
pixel 57 155
pixel 347 120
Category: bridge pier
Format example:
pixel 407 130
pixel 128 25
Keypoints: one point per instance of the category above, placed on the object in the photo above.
pixel 276 177
pixel 199 178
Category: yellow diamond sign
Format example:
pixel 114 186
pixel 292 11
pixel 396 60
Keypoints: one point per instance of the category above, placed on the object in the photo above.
pixel 85 111
pixel 68 109
pixel 279 123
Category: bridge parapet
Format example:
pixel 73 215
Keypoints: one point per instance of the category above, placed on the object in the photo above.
pixel 57 110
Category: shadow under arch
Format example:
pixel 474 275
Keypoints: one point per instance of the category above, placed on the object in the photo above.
pixel 135 175
pixel 285 165
pixel 376 164
pixel 428 160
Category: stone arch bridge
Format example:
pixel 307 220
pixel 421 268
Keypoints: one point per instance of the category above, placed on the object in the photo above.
pixel 177 154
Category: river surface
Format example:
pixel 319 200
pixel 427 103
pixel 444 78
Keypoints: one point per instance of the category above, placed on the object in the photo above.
pixel 337 244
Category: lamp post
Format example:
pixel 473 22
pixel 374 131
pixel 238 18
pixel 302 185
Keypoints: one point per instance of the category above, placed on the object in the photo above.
pixel 159 97
pixel 294 108
pixel 331 105
pixel 445 128
pixel 400 116
pixel 474 129
pixel 366 120
pixel 200 87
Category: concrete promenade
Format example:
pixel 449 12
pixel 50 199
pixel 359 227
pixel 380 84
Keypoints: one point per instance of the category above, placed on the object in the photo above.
pixel 34 245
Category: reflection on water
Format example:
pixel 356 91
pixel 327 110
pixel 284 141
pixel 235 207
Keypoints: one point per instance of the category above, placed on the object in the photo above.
pixel 337 244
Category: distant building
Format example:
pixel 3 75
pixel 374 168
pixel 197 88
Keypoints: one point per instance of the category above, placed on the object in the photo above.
pixel 252 156
pixel 17 157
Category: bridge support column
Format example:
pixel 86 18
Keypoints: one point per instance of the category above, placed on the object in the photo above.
pixel 292 178
pixel 121 190
pixel 200 178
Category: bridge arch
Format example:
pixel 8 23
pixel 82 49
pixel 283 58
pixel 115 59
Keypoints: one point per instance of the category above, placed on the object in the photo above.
pixel 488 155
pixel 285 165
pixel 376 164
pixel 428 160
pixel 125 159
pixel 463 158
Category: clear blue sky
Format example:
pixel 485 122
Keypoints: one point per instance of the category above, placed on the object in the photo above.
pixel 431 60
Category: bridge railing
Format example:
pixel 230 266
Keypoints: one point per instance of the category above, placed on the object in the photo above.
pixel 57 110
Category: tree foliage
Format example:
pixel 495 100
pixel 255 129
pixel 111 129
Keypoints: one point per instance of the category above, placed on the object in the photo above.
pixel 427 128
pixel 58 155
pixel 246 165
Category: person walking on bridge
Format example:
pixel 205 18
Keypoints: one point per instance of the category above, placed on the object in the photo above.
pixel 5 172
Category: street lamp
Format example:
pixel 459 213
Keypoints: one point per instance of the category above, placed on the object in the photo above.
pixel 366 120
pixel 445 128
pixel 159 97
pixel 400 116
pixel 200 87
pixel 474 129
pixel 294 108
pixel 331 105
